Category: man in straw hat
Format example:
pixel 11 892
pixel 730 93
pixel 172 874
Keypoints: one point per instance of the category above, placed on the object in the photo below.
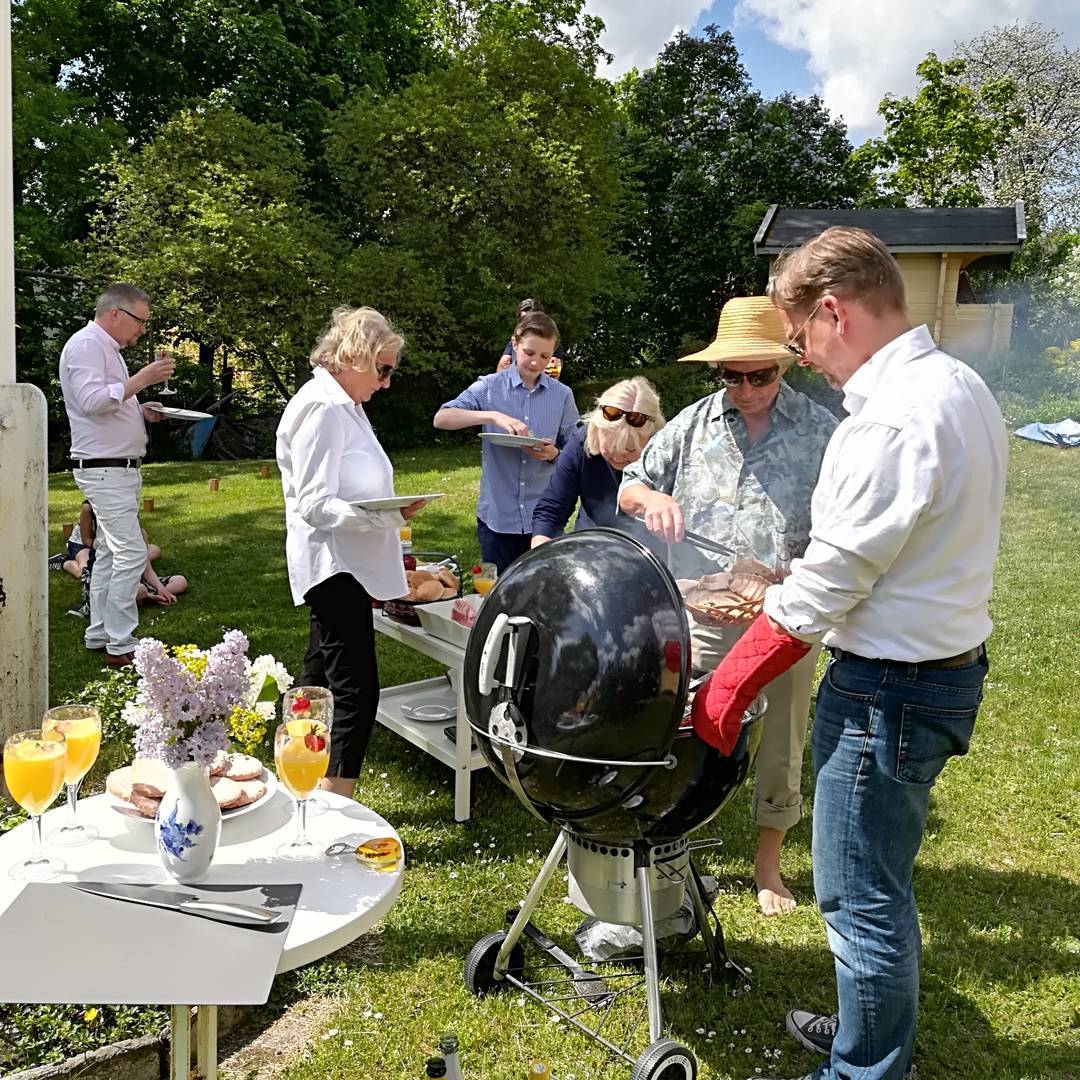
pixel 895 583
pixel 738 467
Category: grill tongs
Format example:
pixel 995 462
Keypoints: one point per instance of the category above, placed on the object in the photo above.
pixel 702 542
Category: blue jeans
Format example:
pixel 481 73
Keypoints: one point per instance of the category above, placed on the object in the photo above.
pixel 883 731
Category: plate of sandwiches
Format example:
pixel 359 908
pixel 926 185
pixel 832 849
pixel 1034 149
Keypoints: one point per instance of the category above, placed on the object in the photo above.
pixel 240 784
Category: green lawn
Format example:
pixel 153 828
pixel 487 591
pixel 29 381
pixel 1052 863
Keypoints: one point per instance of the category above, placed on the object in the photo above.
pixel 997 879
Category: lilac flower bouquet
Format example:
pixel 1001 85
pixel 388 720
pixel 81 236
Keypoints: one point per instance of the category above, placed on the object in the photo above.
pixel 185 698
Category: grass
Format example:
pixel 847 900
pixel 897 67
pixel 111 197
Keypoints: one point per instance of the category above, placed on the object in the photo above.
pixel 998 879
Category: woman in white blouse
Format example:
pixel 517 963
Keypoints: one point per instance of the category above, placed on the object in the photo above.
pixel 339 556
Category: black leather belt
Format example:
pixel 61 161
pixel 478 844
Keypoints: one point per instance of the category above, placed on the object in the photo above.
pixel 959 660
pixel 107 463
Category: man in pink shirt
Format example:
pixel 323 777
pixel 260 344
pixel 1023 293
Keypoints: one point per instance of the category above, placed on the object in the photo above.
pixel 108 440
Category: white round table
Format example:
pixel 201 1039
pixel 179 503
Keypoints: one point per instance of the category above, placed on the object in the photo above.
pixel 341 899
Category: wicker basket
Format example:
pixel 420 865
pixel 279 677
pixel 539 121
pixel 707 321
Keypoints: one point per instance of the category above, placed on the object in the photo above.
pixel 404 611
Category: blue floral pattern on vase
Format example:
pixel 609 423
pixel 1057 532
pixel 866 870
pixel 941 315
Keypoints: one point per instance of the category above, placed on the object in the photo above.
pixel 175 836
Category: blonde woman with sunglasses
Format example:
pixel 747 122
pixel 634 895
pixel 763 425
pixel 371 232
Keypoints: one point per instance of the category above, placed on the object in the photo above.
pixel 739 467
pixel 590 468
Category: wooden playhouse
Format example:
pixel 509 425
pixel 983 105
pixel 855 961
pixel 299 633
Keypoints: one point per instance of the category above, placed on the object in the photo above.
pixel 936 248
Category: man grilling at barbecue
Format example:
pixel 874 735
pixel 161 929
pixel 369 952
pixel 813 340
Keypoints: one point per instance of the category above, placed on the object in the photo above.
pixel 738 468
pixel 895 582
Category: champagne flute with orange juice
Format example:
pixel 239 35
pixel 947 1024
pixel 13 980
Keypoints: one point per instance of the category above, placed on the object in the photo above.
pixel 484 576
pixel 301 757
pixel 35 762
pixel 81 727
pixel 312 703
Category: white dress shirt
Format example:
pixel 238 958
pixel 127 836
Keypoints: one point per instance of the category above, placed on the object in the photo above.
pixel 329 457
pixel 92 377
pixel 906 515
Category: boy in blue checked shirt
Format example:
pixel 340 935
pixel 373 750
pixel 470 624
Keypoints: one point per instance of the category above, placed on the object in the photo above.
pixel 521 400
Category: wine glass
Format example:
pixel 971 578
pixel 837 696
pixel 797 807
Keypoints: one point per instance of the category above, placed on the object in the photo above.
pixel 301 757
pixel 81 727
pixel 301 702
pixel 164 389
pixel 484 577
pixel 34 765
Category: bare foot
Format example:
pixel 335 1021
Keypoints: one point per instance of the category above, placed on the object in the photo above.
pixel 773 896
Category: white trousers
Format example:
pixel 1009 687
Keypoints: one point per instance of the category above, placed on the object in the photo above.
pixel 120 557
pixel 777 801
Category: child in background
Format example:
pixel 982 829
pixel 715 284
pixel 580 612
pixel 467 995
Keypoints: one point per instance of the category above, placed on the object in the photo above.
pixel 520 400
pixel 78 560
pixel 558 357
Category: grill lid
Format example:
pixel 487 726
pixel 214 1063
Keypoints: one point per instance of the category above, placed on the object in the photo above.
pixel 576 674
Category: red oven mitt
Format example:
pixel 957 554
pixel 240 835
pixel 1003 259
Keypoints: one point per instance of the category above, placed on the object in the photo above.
pixel 758 657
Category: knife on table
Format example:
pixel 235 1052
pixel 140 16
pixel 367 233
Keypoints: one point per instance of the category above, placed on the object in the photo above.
pixel 185 902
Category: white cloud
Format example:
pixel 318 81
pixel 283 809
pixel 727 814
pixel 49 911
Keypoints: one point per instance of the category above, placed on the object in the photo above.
pixel 858 53
pixel 636 30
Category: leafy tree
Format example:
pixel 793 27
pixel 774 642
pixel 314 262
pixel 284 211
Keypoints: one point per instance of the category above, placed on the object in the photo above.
pixel 706 155
pixel 209 219
pixel 479 183
pixel 1039 159
pixel 937 143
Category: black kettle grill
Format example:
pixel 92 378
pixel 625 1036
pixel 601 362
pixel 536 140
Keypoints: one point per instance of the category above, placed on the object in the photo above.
pixel 577 675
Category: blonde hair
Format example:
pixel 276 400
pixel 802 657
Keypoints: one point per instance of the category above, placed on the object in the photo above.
pixel 354 338
pixel 630 395
pixel 850 262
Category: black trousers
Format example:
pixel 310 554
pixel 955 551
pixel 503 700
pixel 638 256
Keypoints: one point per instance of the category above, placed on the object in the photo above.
pixel 341 657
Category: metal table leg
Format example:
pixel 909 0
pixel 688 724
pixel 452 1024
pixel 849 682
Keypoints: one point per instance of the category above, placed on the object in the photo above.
pixel 206 1021
pixel 462 773
pixel 180 1042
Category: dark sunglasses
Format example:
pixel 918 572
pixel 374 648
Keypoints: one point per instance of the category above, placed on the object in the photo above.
pixel 384 371
pixel 762 377
pixel 634 419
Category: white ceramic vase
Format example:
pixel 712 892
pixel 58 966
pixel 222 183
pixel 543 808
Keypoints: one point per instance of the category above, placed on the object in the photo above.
pixel 188 824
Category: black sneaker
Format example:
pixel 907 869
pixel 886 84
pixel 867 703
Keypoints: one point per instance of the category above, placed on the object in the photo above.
pixel 80 610
pixel 812 1031
pixel 56 562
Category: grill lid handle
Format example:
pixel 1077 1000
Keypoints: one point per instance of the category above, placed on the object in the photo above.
pixel 489 659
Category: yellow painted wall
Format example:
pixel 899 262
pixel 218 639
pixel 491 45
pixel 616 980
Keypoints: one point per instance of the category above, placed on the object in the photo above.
pixel 967 330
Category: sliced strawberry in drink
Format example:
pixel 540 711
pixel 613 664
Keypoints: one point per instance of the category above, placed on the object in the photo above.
pixel 301 704
pixel 315 742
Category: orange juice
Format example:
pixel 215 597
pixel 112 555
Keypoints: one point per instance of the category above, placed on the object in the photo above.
pixel 34 772
pixel 300 760
pixel 83 737
pixel 483 585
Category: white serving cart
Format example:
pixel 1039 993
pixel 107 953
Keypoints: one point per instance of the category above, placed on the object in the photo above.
pixel 430 736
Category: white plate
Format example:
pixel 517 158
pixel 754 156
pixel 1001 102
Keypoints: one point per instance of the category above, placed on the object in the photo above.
pixel 504 438
pixel 396 501
pixel 182 414
pixel 429 711
pixel 128 811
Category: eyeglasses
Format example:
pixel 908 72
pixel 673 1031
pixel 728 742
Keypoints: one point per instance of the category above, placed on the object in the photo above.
pixel 634 419
pixel 793 346
pixel 138 318
pixel 384 371
pixel 761 377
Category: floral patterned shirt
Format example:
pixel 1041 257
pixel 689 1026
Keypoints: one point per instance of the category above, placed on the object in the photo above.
pixel 754 499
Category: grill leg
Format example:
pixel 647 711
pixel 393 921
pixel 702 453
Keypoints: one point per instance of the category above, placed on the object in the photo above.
pixel 648 942
pixel 722 964
pixel 517 927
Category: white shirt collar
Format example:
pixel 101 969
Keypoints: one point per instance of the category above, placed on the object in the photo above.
pixel 103 336
pixel 330 389
pixel 901 350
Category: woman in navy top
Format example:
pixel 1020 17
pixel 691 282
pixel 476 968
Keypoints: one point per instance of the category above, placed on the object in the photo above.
pixel 589 470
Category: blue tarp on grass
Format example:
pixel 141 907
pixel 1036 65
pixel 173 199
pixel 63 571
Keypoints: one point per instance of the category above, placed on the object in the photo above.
pixel 1065 433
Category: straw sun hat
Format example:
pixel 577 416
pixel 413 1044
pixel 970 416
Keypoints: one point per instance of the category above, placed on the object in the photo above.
pixel 750 328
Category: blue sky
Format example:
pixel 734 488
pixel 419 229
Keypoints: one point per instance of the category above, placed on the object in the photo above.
pixel 772 68
pixel 852 52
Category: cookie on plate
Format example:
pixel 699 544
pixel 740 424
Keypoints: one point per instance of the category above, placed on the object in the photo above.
pixel 227 792
pixel 243 767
